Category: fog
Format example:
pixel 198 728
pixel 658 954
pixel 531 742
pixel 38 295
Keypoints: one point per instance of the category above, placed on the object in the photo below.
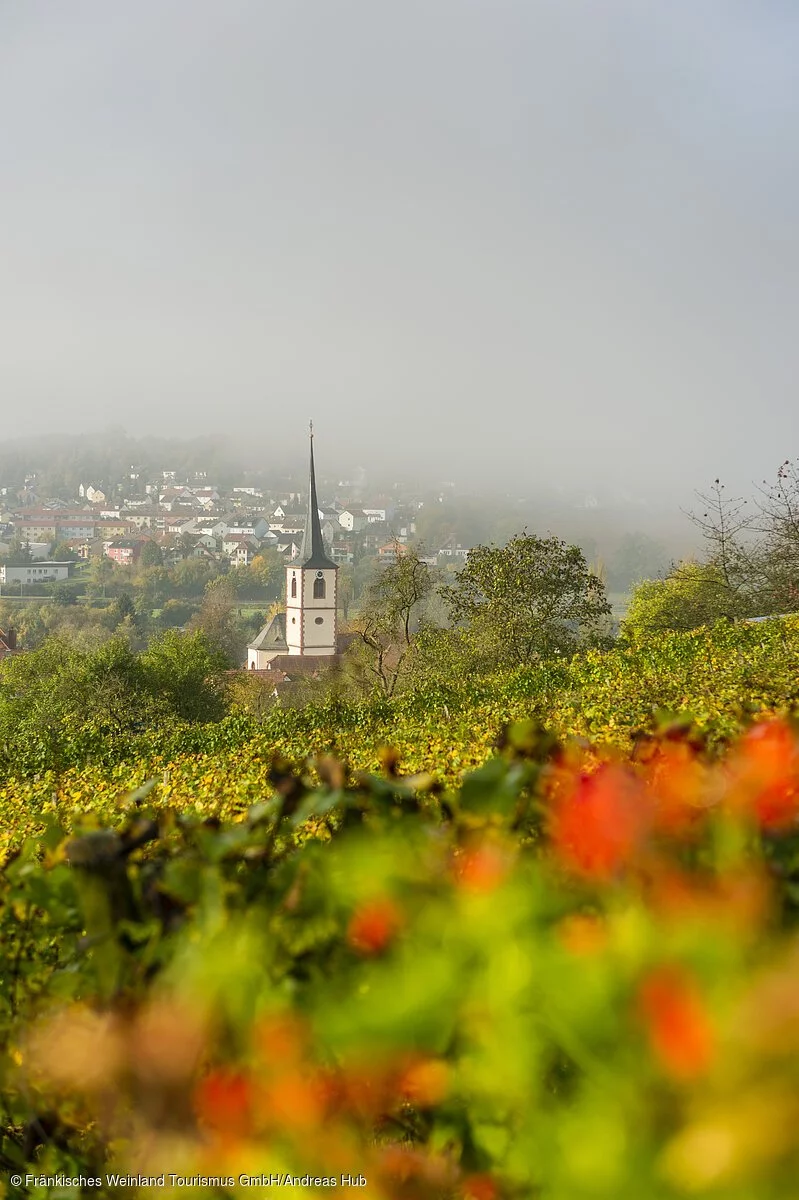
pixel 532 244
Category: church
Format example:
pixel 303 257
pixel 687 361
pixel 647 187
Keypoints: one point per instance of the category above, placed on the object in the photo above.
pixel 308 629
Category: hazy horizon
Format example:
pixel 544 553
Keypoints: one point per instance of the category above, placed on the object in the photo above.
pixel 523 243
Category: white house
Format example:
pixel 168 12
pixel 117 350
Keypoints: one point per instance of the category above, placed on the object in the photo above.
pixel 353 519
pixel 35 572
pixel 232 544
pixel 250 528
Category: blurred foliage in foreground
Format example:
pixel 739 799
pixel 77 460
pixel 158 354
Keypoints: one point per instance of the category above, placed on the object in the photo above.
pixel 573 976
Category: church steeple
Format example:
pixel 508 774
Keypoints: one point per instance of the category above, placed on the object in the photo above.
pixel 312 553
pixel 311 589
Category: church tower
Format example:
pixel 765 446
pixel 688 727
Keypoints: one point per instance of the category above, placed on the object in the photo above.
pixel 311 588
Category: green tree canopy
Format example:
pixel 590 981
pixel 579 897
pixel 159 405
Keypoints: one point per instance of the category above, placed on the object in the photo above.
pixel 217 619
pixel 62 703
pixel 186 670
pixel 692 594
pixel 531 599
pixel 151 555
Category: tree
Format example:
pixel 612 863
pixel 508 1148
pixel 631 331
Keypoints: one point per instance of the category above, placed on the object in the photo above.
pixel 101 573
pixel 777 555
pixel 389 614
pixel 62 552
pixel 19 553
pixel 262 579
pixel 176 612
pixel 187 670
pixel 123 609
pixel 691 595
pixel 531 599
pixel 60 702
pixel 216 618
pixel 151 555
pixel 63 595
pixel 723 522
pixel 155 587
pixel 755 551
pixel 192 574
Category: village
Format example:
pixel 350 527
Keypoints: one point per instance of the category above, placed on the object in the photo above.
pixel 139 556
pixel 191 519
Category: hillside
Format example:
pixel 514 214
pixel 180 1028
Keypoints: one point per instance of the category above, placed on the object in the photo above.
pixel 571 974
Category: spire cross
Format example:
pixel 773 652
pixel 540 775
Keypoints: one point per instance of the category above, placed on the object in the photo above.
pixel 310 428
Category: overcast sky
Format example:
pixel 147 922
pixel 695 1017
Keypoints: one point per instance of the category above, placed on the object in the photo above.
pixel 555 238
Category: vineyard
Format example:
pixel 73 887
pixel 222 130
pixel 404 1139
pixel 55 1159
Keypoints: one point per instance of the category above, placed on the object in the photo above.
pixel 532 936
pixel 720 678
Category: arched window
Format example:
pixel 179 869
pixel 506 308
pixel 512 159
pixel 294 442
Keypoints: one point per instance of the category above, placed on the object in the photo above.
pixel 294 587
pixel 319 589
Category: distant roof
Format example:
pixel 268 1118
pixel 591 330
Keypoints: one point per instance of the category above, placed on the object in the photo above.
pixel 291 666
pixel 272 636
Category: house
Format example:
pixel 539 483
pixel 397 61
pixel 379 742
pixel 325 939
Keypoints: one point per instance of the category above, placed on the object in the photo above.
pixel 112 529
pixel 240 548
pixel 391 551
pixel 452 549
pixel 181 524
pixel 255 527
pixel 341 552
pixel 35 572
pixel 353 520
pixel 373 515
pixel 137 520
pixel 40 530
pixel 74 529
pixel 125 551
pixel 172 498
pixel 206 495
pixel 290 523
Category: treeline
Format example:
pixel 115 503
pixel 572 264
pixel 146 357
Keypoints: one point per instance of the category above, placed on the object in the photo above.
pixel 62 705
pixel 750 567
pixel 144 600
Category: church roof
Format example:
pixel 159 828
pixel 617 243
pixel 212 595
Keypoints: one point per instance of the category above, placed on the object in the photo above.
pixel 313 553
pixel 272 636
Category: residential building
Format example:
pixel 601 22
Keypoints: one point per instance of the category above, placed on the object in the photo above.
pixel 125 551
pixel 35 572
pixel 391 551
pixel 353 520
pixel 36 531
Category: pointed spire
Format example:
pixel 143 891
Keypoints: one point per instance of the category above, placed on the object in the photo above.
pixel 313 552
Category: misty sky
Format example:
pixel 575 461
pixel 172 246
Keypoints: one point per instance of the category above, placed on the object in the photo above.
pixel 554 238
